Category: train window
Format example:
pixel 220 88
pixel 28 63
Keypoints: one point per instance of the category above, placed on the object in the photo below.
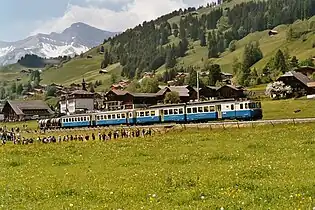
pixel 152 113
pixel 138 114
pixel 109 117
pixel 147 113
pixel 194 109
pixel 130 114
pixel 258 105
pixel 123 116
pixel 175 111
pixel 181 111
pixel 98 117
pixel 170 111
pixel 113 116
pixel 232 107
pixel 206 109
pixel 246 105
pixel 165 112
pixel 212 109
pixel 241 106
pixel 88 119
pixel 200 110
pixel 141 114
pixel 118 116
pixel 82 119
pixel 189 110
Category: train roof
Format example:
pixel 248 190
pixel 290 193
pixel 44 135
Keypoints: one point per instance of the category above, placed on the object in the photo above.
pixel 211 101
pixel 116 111
pixel 166 105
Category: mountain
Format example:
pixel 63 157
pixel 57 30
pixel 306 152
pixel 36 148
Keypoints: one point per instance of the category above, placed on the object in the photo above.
pixel 79 37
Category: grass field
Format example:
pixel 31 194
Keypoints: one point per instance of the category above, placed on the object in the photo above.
pixel 192 169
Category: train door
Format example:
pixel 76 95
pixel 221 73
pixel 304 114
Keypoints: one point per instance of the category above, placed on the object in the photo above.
pixel 127 118
pixel 93 120
pixel 218 109
pixel 162 115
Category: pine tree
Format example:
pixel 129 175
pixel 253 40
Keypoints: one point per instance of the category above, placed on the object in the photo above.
pixel 212 45
pixel 203 41
pixel 214 73
pixel 170 58
pixel 294 62
pixel 182 29
pixel 280 63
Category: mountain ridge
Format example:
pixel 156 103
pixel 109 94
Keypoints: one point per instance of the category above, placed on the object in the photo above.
pixel 77 38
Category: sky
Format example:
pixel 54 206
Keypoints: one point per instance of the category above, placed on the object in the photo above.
pixel 22 18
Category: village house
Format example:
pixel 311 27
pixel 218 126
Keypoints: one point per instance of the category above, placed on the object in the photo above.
pixel 300 83
pixel 306 70
pixel 77 101
pixel 26 110
pixel 186 92
pixel 230 91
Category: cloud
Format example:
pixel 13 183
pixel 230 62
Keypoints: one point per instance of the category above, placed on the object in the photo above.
pixel 132 13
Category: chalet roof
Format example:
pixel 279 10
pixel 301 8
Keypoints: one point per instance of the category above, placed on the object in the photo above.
pixel 19 106
pixel 183 91
pixel 299 76
pixel 117 92
pixel 230 86
pixel 81 92
pixel 143 94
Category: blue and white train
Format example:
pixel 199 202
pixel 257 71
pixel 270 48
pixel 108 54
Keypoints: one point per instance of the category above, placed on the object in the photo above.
pixel 227 109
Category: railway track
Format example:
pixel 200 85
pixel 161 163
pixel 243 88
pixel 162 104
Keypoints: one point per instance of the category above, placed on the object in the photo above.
pixel 221 124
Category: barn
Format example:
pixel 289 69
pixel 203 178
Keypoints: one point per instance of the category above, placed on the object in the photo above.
pixel 26 110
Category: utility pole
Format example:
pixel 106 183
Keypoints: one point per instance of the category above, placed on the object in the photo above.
pixel 197 86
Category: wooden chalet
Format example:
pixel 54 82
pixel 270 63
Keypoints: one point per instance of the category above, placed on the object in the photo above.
pixel 186 92
pixel 306 70
pixel 230 91
pixel 299 82
pixel 128 98
pixel 26 110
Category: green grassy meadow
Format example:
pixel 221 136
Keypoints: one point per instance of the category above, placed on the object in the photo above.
pixel 263 167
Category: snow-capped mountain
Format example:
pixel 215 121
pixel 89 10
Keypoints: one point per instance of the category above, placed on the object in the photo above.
pixel 79 37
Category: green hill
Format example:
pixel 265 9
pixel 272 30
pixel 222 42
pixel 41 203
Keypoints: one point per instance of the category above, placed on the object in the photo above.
pixel 148 47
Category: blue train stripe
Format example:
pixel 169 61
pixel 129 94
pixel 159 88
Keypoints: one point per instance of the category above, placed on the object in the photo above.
pixel 174 118
pixel 76 124
pixel 143 120
pixel 111 122
pixel 202 116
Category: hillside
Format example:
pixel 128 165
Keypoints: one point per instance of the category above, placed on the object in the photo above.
pixel 150 46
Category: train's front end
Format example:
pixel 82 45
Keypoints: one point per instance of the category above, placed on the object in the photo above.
pixel 256 110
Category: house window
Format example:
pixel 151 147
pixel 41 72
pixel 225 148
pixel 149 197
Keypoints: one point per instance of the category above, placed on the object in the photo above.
pixel 200 110
pixel 189 110
pixel 206 109
pixel 181 111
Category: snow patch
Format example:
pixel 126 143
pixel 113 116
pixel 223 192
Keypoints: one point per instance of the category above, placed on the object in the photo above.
pixel 6 50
